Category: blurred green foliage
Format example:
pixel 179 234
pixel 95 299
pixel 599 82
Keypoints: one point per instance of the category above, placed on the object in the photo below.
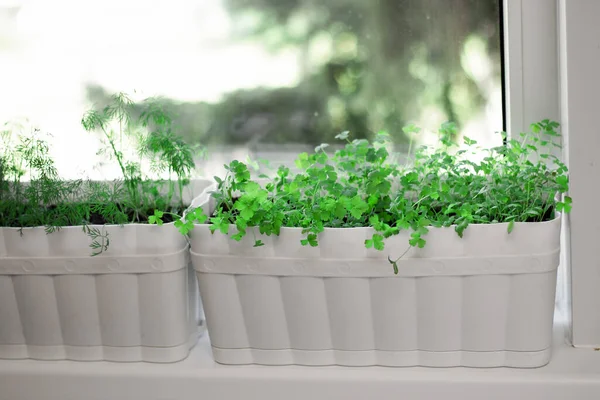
pixel 367 65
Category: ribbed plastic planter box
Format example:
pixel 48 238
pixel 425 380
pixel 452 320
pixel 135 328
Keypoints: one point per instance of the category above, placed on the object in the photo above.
pixel 486 300
pixel 138 301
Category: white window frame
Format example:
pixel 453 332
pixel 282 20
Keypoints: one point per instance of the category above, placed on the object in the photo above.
pixel 531 63
pixel 579 65
pixel 532 90
pixel 552 63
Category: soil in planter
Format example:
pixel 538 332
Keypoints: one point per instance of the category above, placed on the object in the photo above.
pixel 99 219
pixel 549 215
pixel 225 207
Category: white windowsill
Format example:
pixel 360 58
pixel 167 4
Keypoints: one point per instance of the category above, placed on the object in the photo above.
pixel 572 374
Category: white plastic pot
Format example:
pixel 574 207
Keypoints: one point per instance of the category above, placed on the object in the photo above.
pixel 137 301
pixel 486 300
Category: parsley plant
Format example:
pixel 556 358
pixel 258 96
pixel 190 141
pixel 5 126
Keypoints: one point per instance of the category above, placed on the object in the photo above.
pixel 361 185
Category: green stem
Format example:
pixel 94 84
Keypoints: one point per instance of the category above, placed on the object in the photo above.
pixel 171 188
pixel 180 188
pixel 131 187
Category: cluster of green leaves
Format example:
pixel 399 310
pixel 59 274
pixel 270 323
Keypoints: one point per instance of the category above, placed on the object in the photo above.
pixel 360 185
pixel 24 204
pixel 149 129
pixel 33 194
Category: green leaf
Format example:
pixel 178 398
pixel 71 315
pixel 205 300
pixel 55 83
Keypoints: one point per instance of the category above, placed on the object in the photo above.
pixel 412 128
pixel 199 216
pixel 311 239
pixel 321 147
pixel 179 223
pixel 343 136
pixel 568 200
pixel 220 224
pixel 247 213
pixel 378 242
pixel 409 178
pixel 460 228
pixel 238 236
pixel 339 210
pixel 565 206
pixel 403 224
pixel 422 230
pixel 184 227
pixel 357 207
pixel 252 188
pixel 394 264
pixel 375 223
pixel 511 225
pixel 253 164
pixel 424 222
pixel 468 141
pixel 375 242
pixel 562 180
pixel 156 218
pixel 532 213
pixel 302 161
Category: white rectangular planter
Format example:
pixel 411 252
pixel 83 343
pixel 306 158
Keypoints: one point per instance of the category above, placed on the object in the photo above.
pixel 486 300
pixel 137 301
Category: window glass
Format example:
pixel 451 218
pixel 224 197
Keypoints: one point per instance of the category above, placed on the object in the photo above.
pixel 262 77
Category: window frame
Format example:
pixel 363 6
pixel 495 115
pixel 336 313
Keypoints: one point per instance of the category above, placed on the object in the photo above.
pixel 579 66
pixel 552 56
pixel 531 63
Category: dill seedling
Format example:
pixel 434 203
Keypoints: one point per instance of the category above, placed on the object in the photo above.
pixel 33 194
pixel 148 131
